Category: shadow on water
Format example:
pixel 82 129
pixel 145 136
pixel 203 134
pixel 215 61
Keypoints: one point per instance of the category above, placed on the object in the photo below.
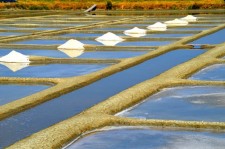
pixel 28 122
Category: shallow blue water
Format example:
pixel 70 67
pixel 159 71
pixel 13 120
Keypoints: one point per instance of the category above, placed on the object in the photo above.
pixel 184 103
pixel 12 92
pixel 52 70
pixel 63 107
pixel 144 138
pixel 11 33
pixel 215 38
pixel 214 73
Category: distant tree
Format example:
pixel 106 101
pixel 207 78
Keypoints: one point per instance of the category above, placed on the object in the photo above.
pixel 108 5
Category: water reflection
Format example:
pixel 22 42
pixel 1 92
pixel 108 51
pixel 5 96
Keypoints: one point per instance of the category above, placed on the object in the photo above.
pixel 15 66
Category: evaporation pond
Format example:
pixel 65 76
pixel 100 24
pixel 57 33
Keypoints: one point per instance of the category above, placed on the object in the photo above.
pixel 44 115
pixel 50 70
pixel 146 138
pixel 215 38
pixel 215 73
pixel 9 93
pixel 196 103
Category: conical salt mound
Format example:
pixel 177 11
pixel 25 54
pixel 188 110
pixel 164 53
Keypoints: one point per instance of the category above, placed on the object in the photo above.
pixel 72 53
pixel 177 22
pixel 135 30
pixel 72 44
pixel 189 18
pixel 15 66
pixel 158 26
pixel 109 37
pixel 16 57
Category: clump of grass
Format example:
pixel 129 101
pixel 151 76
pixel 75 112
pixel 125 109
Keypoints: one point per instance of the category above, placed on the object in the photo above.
pixel 109 5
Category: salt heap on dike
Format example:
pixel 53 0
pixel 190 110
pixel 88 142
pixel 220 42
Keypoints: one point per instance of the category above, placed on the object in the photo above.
pixel 176 22
pixel 135 32
pixel 189 18
pixel 158 26
pixel 109 39
pixel 72 44
pixel 72 48
pixel 15 57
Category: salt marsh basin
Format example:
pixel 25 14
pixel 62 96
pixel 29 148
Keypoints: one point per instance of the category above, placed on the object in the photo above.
pixel 111 78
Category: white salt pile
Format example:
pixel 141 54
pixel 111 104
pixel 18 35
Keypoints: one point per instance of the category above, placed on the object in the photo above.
pixel 16 57
pixel 135 30
pixel 72 44
pixel 158 26
pixel 15 66
pixel 109 39
pixel 72 53
pixel 189 18
pixel 176 22
pixel 109 36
